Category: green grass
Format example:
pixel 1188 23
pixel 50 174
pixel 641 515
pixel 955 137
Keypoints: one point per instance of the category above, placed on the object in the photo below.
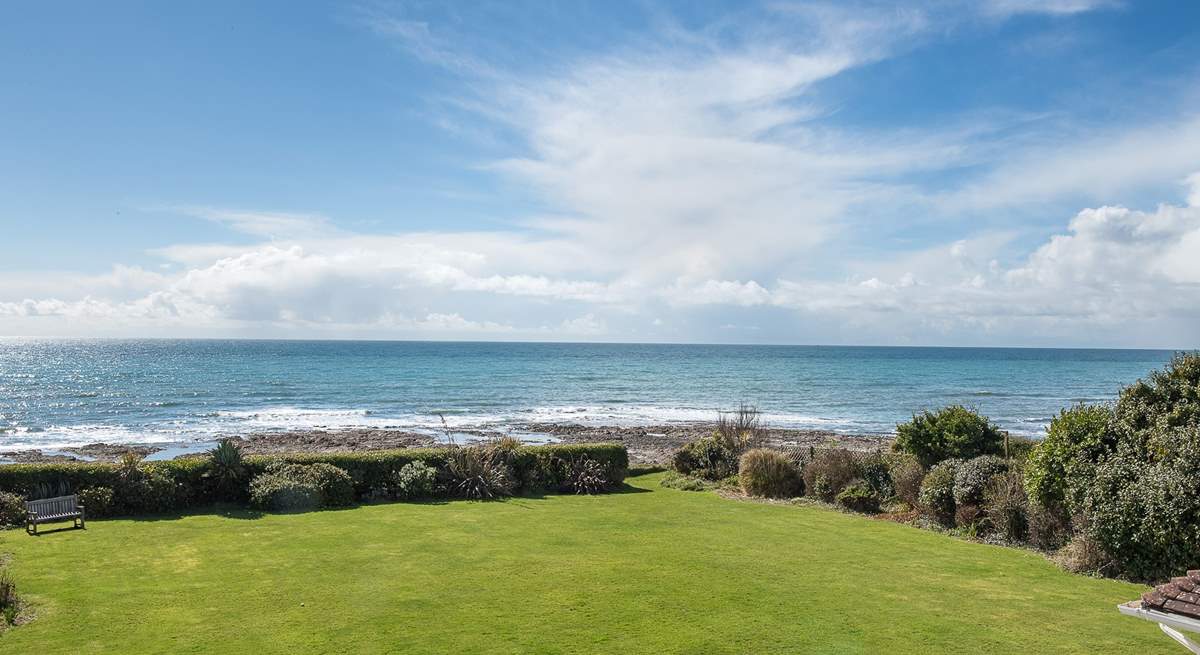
pixel 650 571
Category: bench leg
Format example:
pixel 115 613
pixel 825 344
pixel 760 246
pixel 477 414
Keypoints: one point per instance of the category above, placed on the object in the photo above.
pixel 32 528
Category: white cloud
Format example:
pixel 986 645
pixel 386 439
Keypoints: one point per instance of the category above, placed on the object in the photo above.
pixel 700 174
pixel 272 225
pixel 1006 8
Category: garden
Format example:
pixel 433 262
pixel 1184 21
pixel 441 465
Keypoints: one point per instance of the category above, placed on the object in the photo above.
pixel 1111 489
pixel 958 537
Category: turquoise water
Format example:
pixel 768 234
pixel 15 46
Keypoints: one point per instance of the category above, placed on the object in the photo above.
pixel 55 393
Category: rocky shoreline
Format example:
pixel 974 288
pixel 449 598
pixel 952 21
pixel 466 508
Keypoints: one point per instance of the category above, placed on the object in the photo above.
pixel 648 445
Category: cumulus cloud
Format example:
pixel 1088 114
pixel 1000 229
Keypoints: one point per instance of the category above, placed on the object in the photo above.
pixel 700 174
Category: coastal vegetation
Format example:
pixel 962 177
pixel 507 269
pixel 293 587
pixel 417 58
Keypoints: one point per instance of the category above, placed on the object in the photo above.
pixel 312 480
pixel 1111 490
pixel 646 570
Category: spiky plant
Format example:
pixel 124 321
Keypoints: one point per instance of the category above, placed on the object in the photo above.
pixel 10 603
pixel 128 467
pixel 586 476
pixel 479 472
pixel 226 468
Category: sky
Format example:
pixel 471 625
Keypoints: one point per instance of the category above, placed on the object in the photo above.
pixel 986 173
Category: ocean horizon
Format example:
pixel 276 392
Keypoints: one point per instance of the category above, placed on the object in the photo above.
pixel 57 393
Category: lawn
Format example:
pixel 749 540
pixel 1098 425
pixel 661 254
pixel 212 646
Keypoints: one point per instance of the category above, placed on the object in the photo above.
pixel 651 570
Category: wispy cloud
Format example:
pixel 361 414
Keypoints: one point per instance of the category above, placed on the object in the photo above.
pixel 1007 8
pixel 272 225
pixel 707 171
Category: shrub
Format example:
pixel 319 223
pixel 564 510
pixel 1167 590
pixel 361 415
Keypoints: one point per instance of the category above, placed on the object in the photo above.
pixel 479 472
pixel 586 476
pixel 294 487
pixel 829 471
pixel 1019 448
pixel 1060 468
pixel 227 470
pixel 675 480
pixel 741 430
pixel 768 473
pixel 1082 554
pixel 873 469
pixel 533 467
pixel 1146 514
pixel 952 432
pixel 936 498
pixel 1049 528
pixel 708 457
pixel 413 480
pixel 973 475
pixel 97 501
pixel 821 488
pixel 12 510
pixel 337 487
pixel 145 489
pixel 10 602
pixel 1169 399
pixel 859 496
pixel 1006 507
pixel 906 474
pixel 284 493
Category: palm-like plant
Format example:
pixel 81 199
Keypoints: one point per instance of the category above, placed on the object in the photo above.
pixel 226 467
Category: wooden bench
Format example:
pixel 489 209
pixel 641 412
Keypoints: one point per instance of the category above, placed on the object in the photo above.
pixel 53 509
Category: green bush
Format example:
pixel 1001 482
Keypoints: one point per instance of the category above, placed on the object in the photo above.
pixel 768 473
pixel 936 498
pixel 874 470
pixel 1149 409
pixel 414 480
pixel 676 480
pixel 906 474
pixel 952 432
pixel 1146 514
pixel 284 493
pixel 1060 468
pixel 1019 448
pixel 710 458
pixel 146 488
pixel 12 510
pixel 972 477
pixel 859 496
pixel 821 488
pixel 828 471
pixel 292 487
pixel 10 602
pixel 97 501
pixel 535 468
pixel 1134 483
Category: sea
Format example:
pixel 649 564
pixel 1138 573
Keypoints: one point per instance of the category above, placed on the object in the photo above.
pixel 62 393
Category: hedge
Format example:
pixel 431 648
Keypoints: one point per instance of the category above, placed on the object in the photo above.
pixel 536 469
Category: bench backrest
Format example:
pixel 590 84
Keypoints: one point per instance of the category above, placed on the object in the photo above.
pixel 52 506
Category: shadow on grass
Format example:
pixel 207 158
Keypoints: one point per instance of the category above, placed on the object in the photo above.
pixel 244 513
pixel 42 532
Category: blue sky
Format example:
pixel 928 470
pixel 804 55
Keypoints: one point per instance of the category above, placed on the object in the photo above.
pixel 1006 172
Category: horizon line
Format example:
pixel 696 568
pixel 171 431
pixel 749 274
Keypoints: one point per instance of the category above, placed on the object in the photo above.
pixel 590 343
